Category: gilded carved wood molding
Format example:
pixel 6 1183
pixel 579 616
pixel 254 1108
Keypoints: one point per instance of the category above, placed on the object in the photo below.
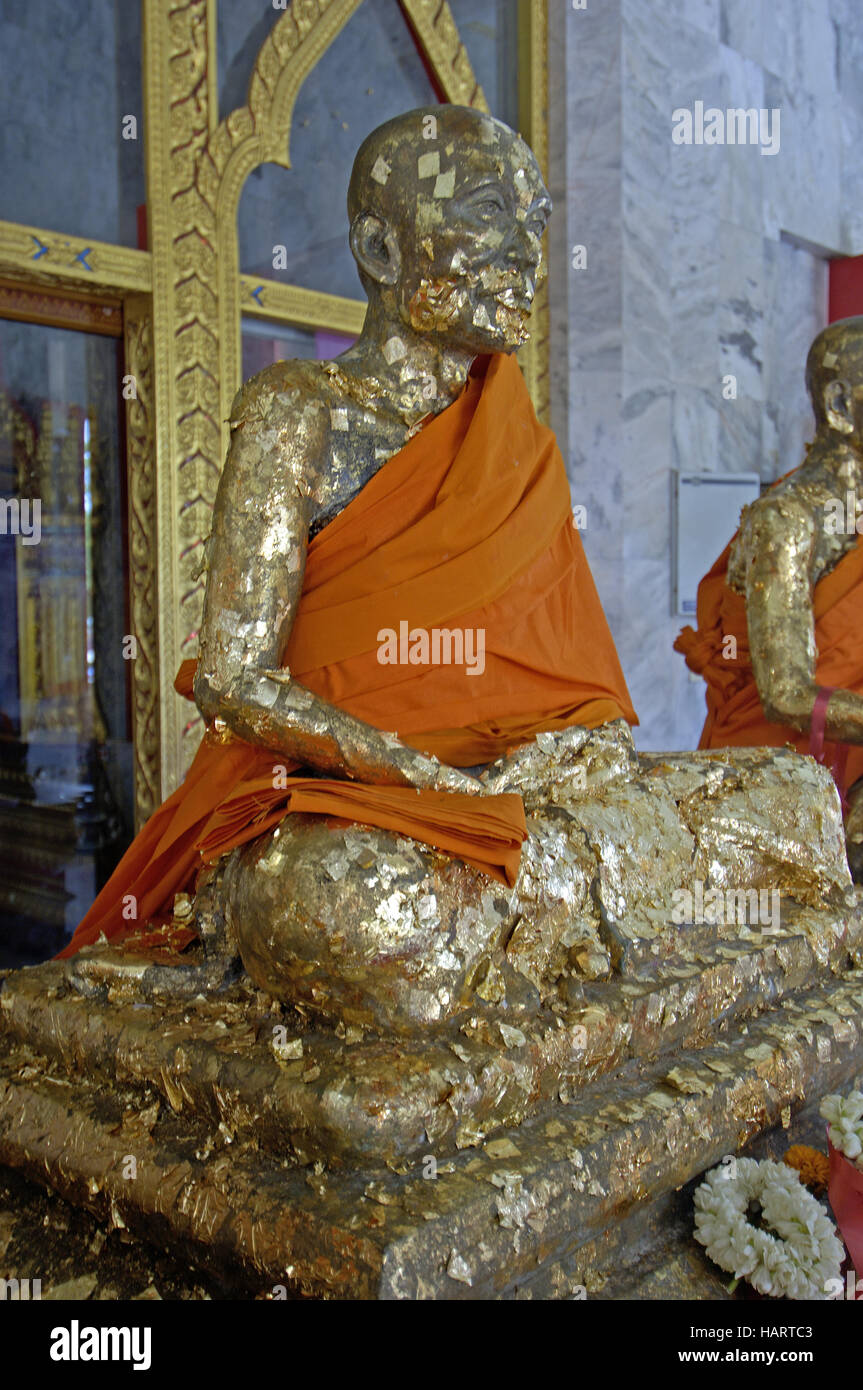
pixel 533 123
pixel 254 134
pixel 58 307
pixel 42 257
pixel 436 32
pixel 177 99
pixel 196 170
pixel 269 299
pixel 141 459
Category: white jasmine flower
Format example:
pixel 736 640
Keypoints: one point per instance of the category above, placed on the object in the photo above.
pixel 844 1114
pixel 793 1251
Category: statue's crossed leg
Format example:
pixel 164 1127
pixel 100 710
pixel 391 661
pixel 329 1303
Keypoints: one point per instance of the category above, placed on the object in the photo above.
pixel 627 861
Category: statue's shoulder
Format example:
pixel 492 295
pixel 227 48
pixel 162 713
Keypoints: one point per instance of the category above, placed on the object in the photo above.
pixel 788 507
pixel 782 517
pixel 291 388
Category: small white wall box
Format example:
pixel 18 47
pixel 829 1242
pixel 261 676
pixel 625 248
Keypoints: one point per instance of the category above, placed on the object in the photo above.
pixel 705 515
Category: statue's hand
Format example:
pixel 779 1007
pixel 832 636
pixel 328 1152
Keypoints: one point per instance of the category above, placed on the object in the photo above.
pixel 787 702
pixel 429 773
pixel 845 716
pixel 452 779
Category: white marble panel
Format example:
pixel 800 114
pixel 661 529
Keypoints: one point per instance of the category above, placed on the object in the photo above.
pixel 690 279
pixel 851 177
pixel 647 40
pixel 848 31
pixel 595 291
pixel 740 168
pixel 800 44
pixel 647 284
pixel 695 14
pixel 741 309
pixel 802 182
pixel 695 294
pixel 594 145
pixel 595 460
pixel 695 428
pixel 593 51
pixel 796 285
pixel 741 27
pixel 741 436
pixel 646 446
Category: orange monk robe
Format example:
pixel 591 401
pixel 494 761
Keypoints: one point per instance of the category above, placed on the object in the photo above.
pixel 735 717
pixel 469 526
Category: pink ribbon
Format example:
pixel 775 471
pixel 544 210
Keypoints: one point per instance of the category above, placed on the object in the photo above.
pixel 816 741
pixel 845 1190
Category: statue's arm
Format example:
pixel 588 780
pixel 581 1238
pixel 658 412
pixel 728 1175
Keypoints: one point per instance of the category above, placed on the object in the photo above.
pixel 256 562
pixel 780 548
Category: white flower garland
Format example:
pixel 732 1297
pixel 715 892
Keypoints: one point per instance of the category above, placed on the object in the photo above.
pixel 845 1118
pixel 795 1262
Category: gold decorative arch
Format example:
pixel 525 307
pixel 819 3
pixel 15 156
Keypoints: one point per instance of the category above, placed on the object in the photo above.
pixel 183 299
pixel 255 134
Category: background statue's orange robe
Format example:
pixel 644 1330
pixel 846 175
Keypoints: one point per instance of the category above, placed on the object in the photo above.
pixel 469 525
pixel 735 717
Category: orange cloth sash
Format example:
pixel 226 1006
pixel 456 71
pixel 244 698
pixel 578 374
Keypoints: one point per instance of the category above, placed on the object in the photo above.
pixel 735 717
pixel 469 526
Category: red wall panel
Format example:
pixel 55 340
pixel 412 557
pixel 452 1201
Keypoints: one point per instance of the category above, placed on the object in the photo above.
pixel 846 287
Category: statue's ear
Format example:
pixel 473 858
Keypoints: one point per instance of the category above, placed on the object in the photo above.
pixel 375 248
pixel 838 409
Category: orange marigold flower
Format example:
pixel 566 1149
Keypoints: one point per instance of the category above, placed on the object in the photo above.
pixel 813 1167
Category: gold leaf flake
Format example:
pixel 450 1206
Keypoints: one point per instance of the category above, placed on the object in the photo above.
pixel 501 1148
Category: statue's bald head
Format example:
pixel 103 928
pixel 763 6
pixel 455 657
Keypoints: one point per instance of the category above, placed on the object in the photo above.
pixel 834 372
pixel 447 209
pixel 387 163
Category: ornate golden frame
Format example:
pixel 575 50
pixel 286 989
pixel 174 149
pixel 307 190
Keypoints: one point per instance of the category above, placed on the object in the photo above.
pixel 183 300
pixel 96 270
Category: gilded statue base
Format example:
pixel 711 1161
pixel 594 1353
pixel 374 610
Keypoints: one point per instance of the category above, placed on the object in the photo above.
pixel 494 1151
pixel 490 1166
pixel 342 1097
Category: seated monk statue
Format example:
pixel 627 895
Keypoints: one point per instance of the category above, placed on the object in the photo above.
pixel 778 638
pixel 403 652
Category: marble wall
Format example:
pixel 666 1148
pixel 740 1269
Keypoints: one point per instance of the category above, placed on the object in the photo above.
pixel 701 261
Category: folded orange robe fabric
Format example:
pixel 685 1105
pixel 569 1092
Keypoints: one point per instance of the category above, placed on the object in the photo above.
pixel 735 717
pixel 469 526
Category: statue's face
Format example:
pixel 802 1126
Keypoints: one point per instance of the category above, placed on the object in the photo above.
pixel 473 256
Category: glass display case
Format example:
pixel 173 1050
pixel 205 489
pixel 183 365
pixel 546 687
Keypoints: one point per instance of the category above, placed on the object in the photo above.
pixel 66 809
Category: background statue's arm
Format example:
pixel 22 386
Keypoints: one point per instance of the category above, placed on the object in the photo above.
pixel 256 562
pixel 779 565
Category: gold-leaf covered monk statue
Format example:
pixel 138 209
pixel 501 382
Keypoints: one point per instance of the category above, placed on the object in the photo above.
pixel 779 615
pixel 396 598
